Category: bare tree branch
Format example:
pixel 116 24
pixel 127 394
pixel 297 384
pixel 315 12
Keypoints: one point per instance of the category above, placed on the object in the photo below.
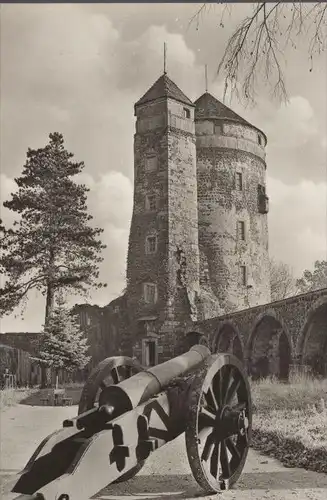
pixel 256 47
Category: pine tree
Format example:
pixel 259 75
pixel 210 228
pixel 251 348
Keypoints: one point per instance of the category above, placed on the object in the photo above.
pixel 64 345
pixel 52 247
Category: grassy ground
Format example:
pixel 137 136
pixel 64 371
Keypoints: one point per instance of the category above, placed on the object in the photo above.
pixel 290 421
pixel 32 397
pixel 10 397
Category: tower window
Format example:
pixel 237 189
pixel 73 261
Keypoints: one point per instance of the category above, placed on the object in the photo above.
pixel 151 202
pixel 150 293
pixel 259 140
pixel 187 113
pixel 151 163
pixel 241 230
pixel 243 275
pixel 151 244
pixel 263 200
pixel 218 129
pixel 239 181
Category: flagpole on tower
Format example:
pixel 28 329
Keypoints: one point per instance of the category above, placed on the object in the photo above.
pixel 206 77
pixel 165 58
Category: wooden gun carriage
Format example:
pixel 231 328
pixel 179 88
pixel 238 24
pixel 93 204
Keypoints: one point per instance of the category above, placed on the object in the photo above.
pixel 125 413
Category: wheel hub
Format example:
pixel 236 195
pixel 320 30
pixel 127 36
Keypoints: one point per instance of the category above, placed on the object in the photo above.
pixel 230 422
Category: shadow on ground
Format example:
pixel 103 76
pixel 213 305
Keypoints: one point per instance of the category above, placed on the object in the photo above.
pixel 184 486
pixel 35 398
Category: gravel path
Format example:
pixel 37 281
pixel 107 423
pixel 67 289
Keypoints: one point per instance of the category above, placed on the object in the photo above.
pixel 166 474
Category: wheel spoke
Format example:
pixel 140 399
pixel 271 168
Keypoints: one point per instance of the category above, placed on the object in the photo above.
pixel 214 462
pixel 233 388
pixel 211 398
pixel 233 448
pixel 115 375
pixel 207 449
pixel 208 418
pixel 225 467
pixel 225 384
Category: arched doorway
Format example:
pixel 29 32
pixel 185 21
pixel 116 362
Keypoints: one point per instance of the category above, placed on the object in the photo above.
pixel 313 341
pixel 270 350
pixel 228 340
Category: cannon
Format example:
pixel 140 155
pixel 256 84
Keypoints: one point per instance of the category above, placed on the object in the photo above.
pixel 126 413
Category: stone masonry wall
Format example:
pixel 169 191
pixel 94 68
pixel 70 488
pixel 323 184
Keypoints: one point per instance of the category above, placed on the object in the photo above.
pixel 299 323
pixel 221 205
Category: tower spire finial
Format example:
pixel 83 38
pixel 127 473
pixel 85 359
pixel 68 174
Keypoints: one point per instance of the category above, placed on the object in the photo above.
pixel 206 77
pixel 165 58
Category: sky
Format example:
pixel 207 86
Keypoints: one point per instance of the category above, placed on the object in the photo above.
pixel 78 69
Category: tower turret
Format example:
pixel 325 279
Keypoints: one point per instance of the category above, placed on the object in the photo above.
pixel 232 204
pixel 163 253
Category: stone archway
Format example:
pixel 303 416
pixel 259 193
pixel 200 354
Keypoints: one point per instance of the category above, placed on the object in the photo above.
pixel 228 340
pixel 270 350
pixel 313 340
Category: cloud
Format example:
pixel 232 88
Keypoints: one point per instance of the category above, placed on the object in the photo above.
pixel 298 223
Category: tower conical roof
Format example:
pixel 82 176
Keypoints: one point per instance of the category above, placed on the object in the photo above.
pixel 207 106
pixel 164 87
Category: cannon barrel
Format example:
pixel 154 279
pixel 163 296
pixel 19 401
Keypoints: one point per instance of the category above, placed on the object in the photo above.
pixel 135 390
pixel 118 399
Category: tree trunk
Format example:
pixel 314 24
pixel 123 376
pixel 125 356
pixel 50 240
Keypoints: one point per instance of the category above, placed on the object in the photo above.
pixel 48 308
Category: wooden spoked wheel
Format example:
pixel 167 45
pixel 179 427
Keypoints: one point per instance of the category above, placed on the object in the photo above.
pixel 110 371
pixel 219 422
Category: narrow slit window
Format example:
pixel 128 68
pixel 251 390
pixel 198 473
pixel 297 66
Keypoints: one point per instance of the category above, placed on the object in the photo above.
pixel 243 275
pixel 151 244
pixel 151 202
pixel 150 293
pixel 239 181
pixel 151 163
pixel 241 230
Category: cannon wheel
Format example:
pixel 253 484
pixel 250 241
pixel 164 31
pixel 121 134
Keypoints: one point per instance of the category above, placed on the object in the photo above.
pixel 110 371
pixel 219 422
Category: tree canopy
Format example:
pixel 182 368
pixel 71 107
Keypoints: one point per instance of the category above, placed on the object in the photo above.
pixel 52 246
pixel 313 280
pixel 282 281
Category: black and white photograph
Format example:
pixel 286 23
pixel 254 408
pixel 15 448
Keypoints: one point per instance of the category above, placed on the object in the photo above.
pixel 163 237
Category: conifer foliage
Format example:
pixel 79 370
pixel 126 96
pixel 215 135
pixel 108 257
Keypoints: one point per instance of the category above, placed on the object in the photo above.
pixel 52 247
pixel 64 345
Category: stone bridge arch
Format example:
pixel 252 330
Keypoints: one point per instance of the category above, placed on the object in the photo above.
pixel 228 339
pixel 269 348
pixel 312 344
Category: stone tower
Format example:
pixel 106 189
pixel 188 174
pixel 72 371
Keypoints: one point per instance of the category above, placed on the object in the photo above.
pixel 163 252
pixel 232 204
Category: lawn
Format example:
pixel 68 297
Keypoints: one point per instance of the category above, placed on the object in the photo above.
pixel 290 421
pixel 10 397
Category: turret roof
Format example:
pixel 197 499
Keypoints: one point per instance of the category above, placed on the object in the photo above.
pixel 164 87
pixel 207 106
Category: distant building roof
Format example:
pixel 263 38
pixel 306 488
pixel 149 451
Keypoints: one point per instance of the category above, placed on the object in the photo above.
pixel 207 106
pixel 164 87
